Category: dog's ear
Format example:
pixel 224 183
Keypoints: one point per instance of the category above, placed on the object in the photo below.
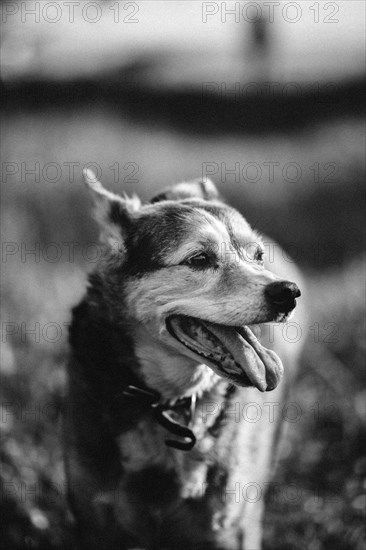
pixel 112 212
pixel 196 189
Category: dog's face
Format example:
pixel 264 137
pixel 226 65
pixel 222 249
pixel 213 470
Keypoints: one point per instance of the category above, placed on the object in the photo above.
pixel 194 280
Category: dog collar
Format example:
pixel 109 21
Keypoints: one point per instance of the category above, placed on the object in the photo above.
pixel 162 413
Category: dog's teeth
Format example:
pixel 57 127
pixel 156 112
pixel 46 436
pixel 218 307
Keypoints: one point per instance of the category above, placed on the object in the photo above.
pixel 209 345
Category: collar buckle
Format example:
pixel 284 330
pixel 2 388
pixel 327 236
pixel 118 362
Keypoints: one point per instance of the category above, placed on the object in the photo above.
pixel 161 414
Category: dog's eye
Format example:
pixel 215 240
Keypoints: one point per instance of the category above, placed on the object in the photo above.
pixel 259 256
pixel 199 261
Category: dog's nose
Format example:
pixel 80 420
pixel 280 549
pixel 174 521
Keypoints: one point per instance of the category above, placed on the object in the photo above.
pixel 282 294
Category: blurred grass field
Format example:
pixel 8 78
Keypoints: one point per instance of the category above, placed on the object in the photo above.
pixel 317 221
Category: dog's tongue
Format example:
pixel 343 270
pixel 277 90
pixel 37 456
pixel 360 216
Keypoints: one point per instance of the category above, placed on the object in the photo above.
pixel 262 366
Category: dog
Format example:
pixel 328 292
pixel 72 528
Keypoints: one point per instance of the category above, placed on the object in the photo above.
pixel 172 436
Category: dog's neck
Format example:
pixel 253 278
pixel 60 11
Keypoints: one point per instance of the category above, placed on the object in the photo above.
pixel 171 374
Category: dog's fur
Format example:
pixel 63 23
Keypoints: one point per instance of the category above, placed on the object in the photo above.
pixel 127 488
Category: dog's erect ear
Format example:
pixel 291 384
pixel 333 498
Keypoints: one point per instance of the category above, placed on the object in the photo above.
pixel 112 212
pixel 196 189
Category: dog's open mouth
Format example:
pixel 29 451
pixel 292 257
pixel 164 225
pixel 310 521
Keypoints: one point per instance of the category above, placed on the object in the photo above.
pixel 234 351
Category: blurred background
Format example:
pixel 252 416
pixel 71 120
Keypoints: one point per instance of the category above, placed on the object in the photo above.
pixel 266 99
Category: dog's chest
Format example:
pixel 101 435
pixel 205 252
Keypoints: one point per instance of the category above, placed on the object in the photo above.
pixel 168 473
pixel 143 446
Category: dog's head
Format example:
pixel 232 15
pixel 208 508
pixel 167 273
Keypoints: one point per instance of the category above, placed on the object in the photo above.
pixel 194 279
